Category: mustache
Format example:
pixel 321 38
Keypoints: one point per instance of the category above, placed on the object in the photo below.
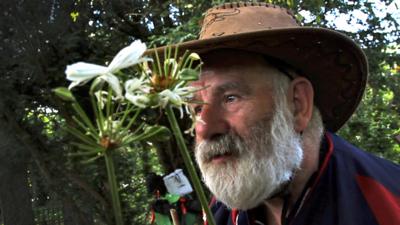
pixel 227 144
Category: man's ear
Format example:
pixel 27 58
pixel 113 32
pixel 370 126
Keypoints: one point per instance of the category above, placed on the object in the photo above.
pixel 301 99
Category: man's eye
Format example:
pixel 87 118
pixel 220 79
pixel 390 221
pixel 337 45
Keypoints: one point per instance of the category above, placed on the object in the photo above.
pixel 197 109
pixel 230 98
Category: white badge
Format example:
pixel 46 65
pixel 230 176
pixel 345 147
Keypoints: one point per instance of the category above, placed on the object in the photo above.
pixel 177 183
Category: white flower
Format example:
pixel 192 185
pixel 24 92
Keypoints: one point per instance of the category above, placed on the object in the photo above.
pixel 168 96
pixel 137 85
pixel 139 100
pixel 113 81
pixel 136 91
pixel 101 97
pixel 178 96
pixel 195 119
pixel 185 92
pixel 81 72
pixel 129 56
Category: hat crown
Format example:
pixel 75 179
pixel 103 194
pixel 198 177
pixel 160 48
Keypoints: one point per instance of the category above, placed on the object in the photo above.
pixel 235 18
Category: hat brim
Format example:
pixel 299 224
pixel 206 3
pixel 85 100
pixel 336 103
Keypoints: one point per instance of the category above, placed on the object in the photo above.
pixel 335 64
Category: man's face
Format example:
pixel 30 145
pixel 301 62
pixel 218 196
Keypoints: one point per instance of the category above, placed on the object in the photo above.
pixel 238 94
pixel 246 147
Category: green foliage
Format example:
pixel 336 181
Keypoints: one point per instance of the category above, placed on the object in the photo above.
pixel 377 120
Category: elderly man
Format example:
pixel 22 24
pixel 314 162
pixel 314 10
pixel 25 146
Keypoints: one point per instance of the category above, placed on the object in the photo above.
pixel 274 94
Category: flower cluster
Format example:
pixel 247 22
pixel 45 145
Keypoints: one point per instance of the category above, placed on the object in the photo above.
pixel 153 89
pixel 80 73
pixel 120 91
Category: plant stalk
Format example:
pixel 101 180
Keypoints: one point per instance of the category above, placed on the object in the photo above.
pixel 112 180
pixel 189 164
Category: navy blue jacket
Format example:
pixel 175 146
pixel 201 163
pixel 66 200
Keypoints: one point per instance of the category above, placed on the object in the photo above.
pixel 352 187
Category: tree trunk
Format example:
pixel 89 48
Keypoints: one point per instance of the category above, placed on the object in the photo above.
pixel 15 197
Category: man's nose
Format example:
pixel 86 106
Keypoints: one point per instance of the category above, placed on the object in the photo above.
pixel 213 123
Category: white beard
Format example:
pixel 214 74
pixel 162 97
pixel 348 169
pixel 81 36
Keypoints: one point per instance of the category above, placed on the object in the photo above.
pixel 259 165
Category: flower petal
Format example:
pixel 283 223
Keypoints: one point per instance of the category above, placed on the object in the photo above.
pixel 185 92
pixel 73 84
pixel 113 81
pixel 128 56
pixel 137 85
pixel 172 97
pixel 81 72
pixel 133 84
pixel 138 100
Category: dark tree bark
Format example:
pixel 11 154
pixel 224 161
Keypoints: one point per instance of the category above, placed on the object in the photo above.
pixel 15 197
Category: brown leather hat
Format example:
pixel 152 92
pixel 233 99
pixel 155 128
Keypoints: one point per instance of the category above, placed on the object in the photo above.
pixel 334 64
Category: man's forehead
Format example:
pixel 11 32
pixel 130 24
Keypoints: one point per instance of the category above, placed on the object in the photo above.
pixel 211 79
pixel 216 81
pixel 220 75
pixel 197 83
pixel 231 59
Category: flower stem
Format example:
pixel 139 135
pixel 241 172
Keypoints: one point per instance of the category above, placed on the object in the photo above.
pixel 112 180
pixel 189 164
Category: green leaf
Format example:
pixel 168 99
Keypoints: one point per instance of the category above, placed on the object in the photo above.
pixel 64 93
pixel 97 85
pixel 91 159
pixel 188 74
pixel 157 133
pixel 84 117
pixel 74 15
pixel 150 133
pixel 88 149
pixel 81 136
